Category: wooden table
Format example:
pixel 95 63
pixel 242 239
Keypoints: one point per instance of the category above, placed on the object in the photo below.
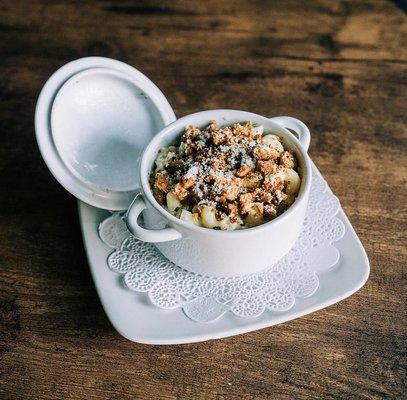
pixel 338 65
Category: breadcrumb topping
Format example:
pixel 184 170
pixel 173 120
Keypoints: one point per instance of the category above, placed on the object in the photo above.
pixel 229 177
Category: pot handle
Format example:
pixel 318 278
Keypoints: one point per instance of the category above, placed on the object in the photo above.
pixel 147 235
pixel 304 135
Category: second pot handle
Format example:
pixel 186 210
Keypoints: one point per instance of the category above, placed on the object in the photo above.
pixel 147 235
pixel 304 135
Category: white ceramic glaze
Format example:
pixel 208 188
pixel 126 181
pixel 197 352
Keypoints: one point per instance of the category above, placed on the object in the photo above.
pixel 134 317
pixel 93 118
pixel 221 253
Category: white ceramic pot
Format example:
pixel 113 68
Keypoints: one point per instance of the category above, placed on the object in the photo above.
pixel 214 252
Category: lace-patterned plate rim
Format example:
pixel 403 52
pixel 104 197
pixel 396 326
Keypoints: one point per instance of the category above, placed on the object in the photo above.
pixel 138 321
pixel 274 289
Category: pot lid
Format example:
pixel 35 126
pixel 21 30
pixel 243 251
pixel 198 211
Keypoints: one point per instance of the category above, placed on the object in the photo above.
pixel 93 119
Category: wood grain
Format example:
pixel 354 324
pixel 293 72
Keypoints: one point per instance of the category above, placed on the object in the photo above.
pixel 338 65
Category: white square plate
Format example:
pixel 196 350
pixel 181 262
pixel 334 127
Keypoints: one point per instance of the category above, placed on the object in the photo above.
pixel 135 318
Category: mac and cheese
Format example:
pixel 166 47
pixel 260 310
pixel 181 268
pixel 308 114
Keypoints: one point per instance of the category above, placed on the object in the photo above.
pixel 230 177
